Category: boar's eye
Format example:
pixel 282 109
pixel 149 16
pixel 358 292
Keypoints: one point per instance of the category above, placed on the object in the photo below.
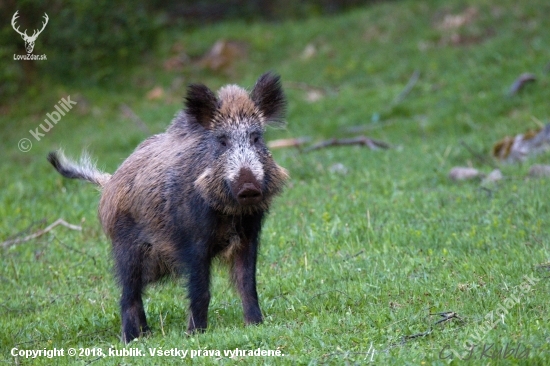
pixel 223 141
pixel 255 138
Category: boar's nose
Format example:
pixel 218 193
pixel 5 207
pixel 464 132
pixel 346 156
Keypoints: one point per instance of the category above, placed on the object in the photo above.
pixel 249 194
pixel 246 188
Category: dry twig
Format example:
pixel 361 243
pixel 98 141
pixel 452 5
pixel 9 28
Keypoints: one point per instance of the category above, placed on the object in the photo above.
pixel 57 222
pixel 360 140
pixel 447 315
pixel 291 142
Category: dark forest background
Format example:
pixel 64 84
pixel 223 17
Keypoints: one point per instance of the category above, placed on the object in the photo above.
pixel 112 34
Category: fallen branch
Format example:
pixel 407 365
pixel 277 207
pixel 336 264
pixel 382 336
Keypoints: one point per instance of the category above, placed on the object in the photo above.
pixel 28 229
pixel 62 222
pixel 292 142
pixel 360 140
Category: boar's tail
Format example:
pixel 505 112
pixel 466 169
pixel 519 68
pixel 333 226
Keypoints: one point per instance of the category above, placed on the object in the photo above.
pixel 85 169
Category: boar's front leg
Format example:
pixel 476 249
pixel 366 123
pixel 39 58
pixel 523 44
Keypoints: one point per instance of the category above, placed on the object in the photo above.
pixel 244 272
pixel 198 287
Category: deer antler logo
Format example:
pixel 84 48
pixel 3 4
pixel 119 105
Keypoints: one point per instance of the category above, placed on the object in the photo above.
pixel 29 40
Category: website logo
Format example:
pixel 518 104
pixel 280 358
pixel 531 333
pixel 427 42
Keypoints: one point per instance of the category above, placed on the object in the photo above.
pixel 29 40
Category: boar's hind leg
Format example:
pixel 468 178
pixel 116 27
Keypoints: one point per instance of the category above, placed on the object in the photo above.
pixel 244 276
pixel 129 262
pixel 134 322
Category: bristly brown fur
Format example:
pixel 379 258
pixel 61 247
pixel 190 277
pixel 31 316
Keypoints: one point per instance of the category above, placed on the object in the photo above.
pixel 235 103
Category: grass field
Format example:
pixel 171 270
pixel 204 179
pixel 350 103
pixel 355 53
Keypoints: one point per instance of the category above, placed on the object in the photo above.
pixel 364 248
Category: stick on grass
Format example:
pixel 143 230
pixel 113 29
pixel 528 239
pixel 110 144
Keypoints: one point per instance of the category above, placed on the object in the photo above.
pixel 9 243
pixel 360 140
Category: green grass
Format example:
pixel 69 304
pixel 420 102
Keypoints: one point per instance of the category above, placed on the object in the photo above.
pixel 349 260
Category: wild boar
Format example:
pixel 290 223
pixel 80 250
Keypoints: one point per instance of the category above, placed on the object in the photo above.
pixel 199 190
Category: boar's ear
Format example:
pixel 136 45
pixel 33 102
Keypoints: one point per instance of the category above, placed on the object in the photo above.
pixel 269 97
pixel 201 103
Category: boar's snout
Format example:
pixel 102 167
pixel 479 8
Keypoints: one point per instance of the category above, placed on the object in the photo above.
pixel 249 194
pixel 246 188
